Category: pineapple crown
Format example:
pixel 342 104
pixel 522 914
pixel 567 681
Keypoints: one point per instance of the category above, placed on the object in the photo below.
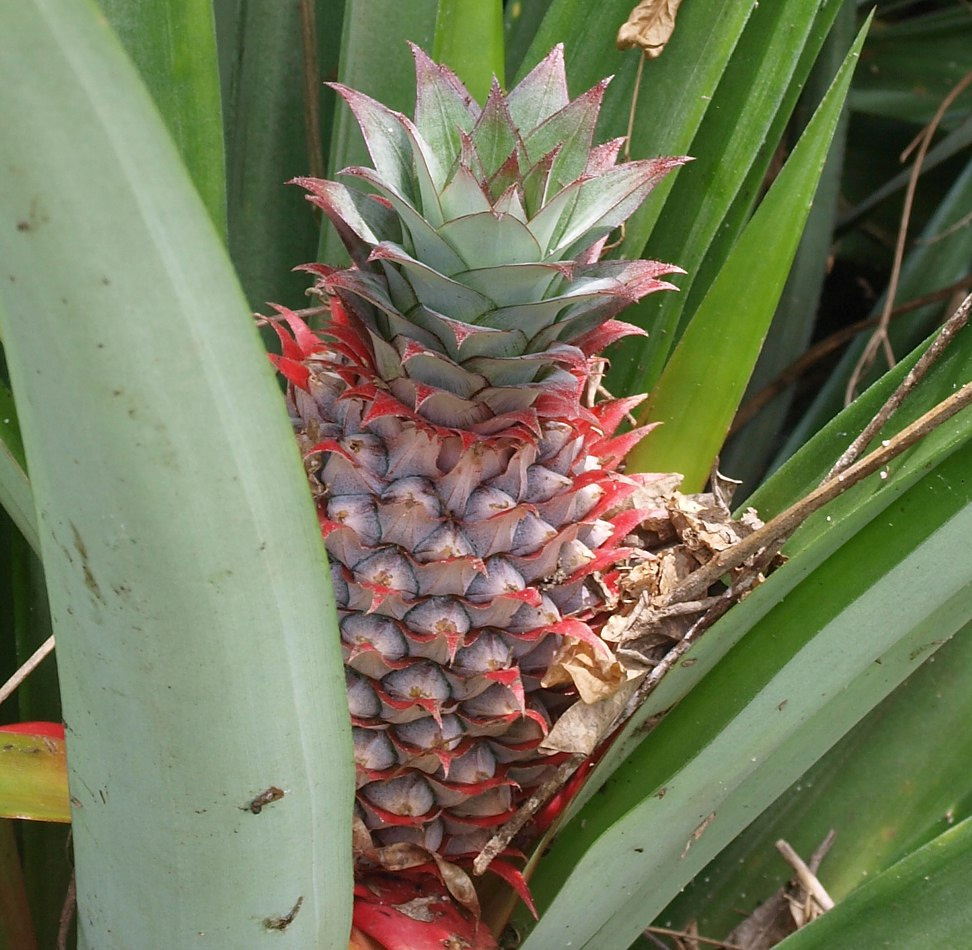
pixel 475 243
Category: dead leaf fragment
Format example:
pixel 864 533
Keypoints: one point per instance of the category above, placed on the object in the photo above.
pixel 583 725
pixel 649 26
pixel 594 674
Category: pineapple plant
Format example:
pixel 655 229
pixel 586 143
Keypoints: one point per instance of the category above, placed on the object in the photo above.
pixel 467 474
pixel 239 596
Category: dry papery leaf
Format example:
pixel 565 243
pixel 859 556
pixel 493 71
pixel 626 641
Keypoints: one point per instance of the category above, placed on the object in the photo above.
pixel 403 855
pixel 649 26
pixel 682 533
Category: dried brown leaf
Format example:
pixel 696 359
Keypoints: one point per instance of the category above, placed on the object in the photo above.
pixel 650 26
pixel 594 674
pixel 401 856
pixel 582 726
pixel 459 883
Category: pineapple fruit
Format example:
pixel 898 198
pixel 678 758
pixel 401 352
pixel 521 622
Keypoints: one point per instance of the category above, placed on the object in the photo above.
pixel 466 477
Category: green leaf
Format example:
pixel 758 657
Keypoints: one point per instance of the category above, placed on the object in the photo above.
pixel 734 142
pixel 749 449
pixel 914 748
pixel 15 494
pixel 179 540
pixel 751 726
pixel 375 60
pixel 469 40
pixel 265 87
pixel 33 777
pixel 914 63
pixel 952 144
pixel 922 901
pixel 520 21
pixel 173 46
pixel 720 347
pixel 938 258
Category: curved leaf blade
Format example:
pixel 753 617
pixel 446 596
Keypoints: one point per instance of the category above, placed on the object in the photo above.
pixel 938 258
pixel 383 70
pixel 186 574
pixel 721 345
pixel 264 83
pixel 908 759
pixel 713 198
pixel 469 40
pixel 173 45
pixel 922 901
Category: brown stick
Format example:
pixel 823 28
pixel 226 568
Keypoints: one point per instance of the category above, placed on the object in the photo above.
pixel 67 914
pixel 498 843
pixel 816 859
pixel 826 346
pixel 778 529
pixel 880 336
pixel 807 879
pixel 918 372
pixel 35 660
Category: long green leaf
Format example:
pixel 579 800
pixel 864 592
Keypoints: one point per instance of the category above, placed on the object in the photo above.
pixel 712 199
pixel 914 63
pixel 264 89
pixel 938 258
pixel 746 453
pixel 721 345
pixel 751 727
pixel 469 39
pixel 375 59
pixel 521 18
pixel 909 760
pixel 16 497
pixel 173 45
pixel 923 901
pixel 187 579
pixel 952 144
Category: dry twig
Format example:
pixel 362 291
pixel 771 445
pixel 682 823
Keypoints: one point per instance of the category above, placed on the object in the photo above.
pixel 826 346
pixel 67 914
pixel 806 878
pixel 35 660
pixel 775 532
pixel 918 372
pixel 880 338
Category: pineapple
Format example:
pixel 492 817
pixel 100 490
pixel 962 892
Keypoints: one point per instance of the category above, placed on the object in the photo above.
pixel 466 478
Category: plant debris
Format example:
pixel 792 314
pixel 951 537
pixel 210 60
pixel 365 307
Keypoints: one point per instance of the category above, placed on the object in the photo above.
pixel 647 630
pixel 793 906
pixel 649 26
